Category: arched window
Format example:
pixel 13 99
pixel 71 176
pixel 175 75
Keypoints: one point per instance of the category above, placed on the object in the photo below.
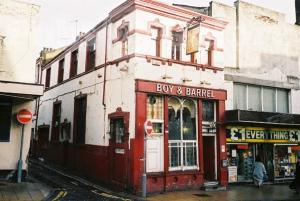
pixel 183 143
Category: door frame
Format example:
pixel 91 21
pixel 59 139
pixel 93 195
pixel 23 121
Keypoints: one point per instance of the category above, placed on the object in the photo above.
pixel 125 145
pixel 215 150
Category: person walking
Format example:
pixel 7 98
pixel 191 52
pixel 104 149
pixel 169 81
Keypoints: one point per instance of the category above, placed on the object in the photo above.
pixel 259 172
pixel 297 177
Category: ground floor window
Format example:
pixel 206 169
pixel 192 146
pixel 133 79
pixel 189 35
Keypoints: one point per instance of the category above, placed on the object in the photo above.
pixel 5 119
pixel 183 145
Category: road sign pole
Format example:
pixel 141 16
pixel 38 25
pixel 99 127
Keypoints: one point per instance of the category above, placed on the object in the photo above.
pixel 144 177
pixel 20 162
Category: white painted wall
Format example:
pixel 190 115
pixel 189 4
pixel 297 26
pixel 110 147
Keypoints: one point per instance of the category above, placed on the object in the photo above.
pixel 18 50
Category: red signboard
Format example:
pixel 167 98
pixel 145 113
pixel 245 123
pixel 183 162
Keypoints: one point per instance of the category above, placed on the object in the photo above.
pixel 148 127
pixel 24 116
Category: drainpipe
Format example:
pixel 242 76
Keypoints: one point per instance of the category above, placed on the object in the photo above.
pixel 104 76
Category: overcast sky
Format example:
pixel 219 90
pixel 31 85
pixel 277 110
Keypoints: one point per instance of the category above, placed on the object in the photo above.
pixel 61 19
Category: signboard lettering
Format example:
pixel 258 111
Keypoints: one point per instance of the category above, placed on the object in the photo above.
pixel 184 91
pixel 257 134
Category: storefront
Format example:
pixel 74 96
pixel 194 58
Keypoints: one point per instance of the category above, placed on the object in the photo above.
pixel 277 147
pixel 187 147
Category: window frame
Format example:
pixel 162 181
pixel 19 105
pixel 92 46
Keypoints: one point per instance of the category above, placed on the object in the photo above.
pixel 60 75
pixel 8 116
pixel 262 88
pixel 90 62
pixel 74 63
pixel 183 142
pixel 48 77
pixel 176 50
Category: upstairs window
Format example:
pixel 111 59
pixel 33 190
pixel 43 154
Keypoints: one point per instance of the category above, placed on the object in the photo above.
pixel 48 77
pixel 210 52
pixel 156 40
pixel 90 54
pixel 176 45
pixel 5 119
pixel 61 66
pixel 260 98
pixel 74 63
pixel 124 40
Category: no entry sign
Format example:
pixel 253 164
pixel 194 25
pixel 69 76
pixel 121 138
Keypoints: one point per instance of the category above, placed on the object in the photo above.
pixel 148 127
pixel 24 116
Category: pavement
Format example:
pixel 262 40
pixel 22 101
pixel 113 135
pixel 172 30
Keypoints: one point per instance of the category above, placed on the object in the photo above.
pixel 34 190
pixel 245 192
pixel 31 190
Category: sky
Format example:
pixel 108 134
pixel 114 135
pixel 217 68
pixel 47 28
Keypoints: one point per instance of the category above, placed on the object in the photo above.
pixel 62 20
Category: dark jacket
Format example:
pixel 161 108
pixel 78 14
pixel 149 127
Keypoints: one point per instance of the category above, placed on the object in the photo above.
pixel 297 177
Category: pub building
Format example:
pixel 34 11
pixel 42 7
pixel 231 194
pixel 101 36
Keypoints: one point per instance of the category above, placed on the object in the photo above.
pixel 147 61
pixel 275 137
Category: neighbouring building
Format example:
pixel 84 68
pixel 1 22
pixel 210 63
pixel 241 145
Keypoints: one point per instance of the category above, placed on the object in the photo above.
pixel 18 46
pixel 146 61
pixel 262 71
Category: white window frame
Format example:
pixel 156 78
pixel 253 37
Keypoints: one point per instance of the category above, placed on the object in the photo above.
pixel 181 142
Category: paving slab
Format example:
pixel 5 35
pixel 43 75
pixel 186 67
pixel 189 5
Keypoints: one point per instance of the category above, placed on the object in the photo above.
pixel 233 193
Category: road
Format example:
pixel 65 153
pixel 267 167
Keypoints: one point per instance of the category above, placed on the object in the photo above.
pixel 68 188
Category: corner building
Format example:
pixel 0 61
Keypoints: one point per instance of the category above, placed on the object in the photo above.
pixel 130 68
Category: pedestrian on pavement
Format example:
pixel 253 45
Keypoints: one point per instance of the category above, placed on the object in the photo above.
pixel 297 177
pixel 259 172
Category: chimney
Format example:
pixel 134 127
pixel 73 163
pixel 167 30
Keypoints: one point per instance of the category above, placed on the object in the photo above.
pixel 297 8
pixel 80 35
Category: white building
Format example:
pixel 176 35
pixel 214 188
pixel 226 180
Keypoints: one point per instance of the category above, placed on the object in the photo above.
pixel 262 72
pixel 18 29
pixel 131 67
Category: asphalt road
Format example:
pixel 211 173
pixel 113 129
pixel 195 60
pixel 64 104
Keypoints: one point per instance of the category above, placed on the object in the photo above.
pixel 67 188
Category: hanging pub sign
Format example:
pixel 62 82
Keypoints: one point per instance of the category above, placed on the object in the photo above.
pixel 262 135
pixel 192 42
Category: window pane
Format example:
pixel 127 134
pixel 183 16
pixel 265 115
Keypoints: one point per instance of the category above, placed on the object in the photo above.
pixel 174 119
pixel 190 154
pixel 189 120
pixel 269 99
pixel 208 112
pixel 282 101
pixel 254 98
pixel 239 97
pixel 155 107
pixel 5 120
pixel 174 154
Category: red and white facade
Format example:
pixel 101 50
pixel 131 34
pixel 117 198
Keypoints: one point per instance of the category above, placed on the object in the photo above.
pixel 130 68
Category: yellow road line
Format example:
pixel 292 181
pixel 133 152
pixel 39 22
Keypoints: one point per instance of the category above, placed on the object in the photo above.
pixel 110 196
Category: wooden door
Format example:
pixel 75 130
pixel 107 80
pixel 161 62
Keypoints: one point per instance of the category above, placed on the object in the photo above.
pixel 209 158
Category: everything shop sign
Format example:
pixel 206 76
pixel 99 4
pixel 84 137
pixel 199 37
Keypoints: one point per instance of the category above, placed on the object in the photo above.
pixel 262 135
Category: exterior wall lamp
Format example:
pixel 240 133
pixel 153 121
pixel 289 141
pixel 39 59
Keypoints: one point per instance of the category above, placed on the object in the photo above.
pixel 165 76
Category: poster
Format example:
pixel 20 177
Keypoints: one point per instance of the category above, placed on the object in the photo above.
pixel 192 39
pixel 232 174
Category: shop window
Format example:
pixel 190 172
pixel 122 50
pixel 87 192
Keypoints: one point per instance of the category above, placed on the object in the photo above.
pixel 124 39
pixel 156 41
pixel 90 54
pixel 182 134
pixel 155 113
pixel 74 63
pixel 5 119
pixel 208 111
pixel 79 119
pixel 176 45
pixel 117 130
pixel 56 116
pixel 285 157
pixel 48 76
pixel 61 66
